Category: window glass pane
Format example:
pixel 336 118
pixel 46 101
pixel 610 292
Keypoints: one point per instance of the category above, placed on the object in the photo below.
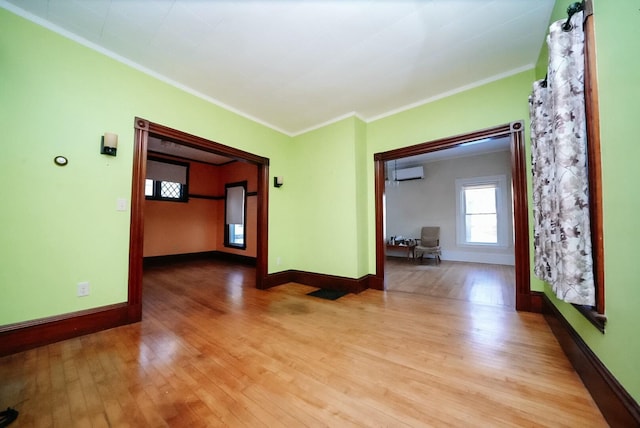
pixel 169 189
pixel 236 234
pixel 148 187
pixel 480 200
pixel 481 217
pixel 482 228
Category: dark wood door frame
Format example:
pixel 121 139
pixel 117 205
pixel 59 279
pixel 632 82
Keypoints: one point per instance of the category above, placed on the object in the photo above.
pixel 142 130
pixel 514 130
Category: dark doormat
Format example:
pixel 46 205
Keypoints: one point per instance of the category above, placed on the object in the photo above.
pixel 323 293
pixel 8 416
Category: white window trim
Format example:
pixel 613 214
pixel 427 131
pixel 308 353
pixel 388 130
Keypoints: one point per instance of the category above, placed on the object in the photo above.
pixel 500 181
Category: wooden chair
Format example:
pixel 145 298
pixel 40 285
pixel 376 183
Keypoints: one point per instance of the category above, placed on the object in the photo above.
pixel 429 243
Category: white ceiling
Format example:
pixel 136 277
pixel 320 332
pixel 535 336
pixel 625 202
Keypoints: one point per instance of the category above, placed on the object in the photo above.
pixel 295 65
pixel 471 148
pixel 157 145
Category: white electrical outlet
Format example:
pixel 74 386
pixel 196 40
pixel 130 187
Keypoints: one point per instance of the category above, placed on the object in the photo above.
pixel 83 289
pixel 278 261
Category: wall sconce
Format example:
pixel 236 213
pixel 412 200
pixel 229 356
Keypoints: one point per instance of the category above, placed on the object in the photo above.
pixel 109 144
pixel 278 181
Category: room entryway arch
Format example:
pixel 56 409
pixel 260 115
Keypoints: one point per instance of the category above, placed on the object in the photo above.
pixel 525 300
pixel 144 128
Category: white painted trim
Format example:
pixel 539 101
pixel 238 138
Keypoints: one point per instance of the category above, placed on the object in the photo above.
pixel 489 258
pixel 502 217
pixel 328 122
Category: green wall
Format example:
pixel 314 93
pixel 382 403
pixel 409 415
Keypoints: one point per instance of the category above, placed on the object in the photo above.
pixel 325 219
pixel 60 224
pixel 362 178
pixel 618 48
pixel 489 105
pixel 617 30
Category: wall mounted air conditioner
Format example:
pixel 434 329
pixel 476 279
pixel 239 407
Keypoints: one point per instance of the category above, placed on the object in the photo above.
pixel 415 173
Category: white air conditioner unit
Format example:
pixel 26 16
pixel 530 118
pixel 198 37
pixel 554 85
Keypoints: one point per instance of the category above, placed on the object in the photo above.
pixel 415 173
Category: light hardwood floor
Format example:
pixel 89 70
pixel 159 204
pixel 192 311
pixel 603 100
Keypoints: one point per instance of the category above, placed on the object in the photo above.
pixel 480 283
pixel 214 351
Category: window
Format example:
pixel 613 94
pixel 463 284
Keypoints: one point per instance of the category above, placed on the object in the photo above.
pixel 481 211
pixel 235 214
pixel 166 180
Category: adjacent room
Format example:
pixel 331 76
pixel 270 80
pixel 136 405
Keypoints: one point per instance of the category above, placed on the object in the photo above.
pixel 198 203
pixel 465 193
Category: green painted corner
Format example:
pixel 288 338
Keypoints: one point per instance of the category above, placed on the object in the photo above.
pixel 326 190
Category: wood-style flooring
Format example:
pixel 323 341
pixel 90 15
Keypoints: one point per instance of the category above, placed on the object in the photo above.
pixel 214 351
pixel 479 283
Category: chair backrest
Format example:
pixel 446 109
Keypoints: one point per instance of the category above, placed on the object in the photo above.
pixel 430 236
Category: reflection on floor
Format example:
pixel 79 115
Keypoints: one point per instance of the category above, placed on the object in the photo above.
pixel 473 282
pixel 214 351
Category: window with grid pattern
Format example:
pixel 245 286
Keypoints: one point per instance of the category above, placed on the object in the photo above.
pixel 166 180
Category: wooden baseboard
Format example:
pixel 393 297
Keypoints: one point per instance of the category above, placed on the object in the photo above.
pixel 32 334
pixel 615 403
pixel 204 255
pixel 319 280
pixel 278 278
pixel 376 282
pixel 536 298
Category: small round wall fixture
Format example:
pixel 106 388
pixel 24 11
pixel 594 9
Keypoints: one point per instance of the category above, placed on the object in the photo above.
pixel 60 161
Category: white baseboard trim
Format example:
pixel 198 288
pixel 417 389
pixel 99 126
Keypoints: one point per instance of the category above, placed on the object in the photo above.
pixel 490 258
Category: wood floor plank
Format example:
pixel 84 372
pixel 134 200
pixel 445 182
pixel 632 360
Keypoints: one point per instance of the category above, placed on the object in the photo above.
pixel 479 283
pixel 214 351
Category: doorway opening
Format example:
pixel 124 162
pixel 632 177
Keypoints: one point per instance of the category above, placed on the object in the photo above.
pixel 461 198
pixel 514 132
pixel 143 130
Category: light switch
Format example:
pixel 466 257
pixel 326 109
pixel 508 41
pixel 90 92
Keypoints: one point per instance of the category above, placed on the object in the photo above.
pixel 121 204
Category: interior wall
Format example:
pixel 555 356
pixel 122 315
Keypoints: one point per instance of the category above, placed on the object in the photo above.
pixel 58 98
pixel 324 223
pixel 179 228
pixel 360 129
pixel 198 225
pixel 432 202
pixel 184 227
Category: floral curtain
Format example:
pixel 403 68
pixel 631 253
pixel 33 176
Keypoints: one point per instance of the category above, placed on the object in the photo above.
pixel 562 234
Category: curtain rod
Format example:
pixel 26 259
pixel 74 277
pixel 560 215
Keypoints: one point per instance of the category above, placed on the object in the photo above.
pixel 572 10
